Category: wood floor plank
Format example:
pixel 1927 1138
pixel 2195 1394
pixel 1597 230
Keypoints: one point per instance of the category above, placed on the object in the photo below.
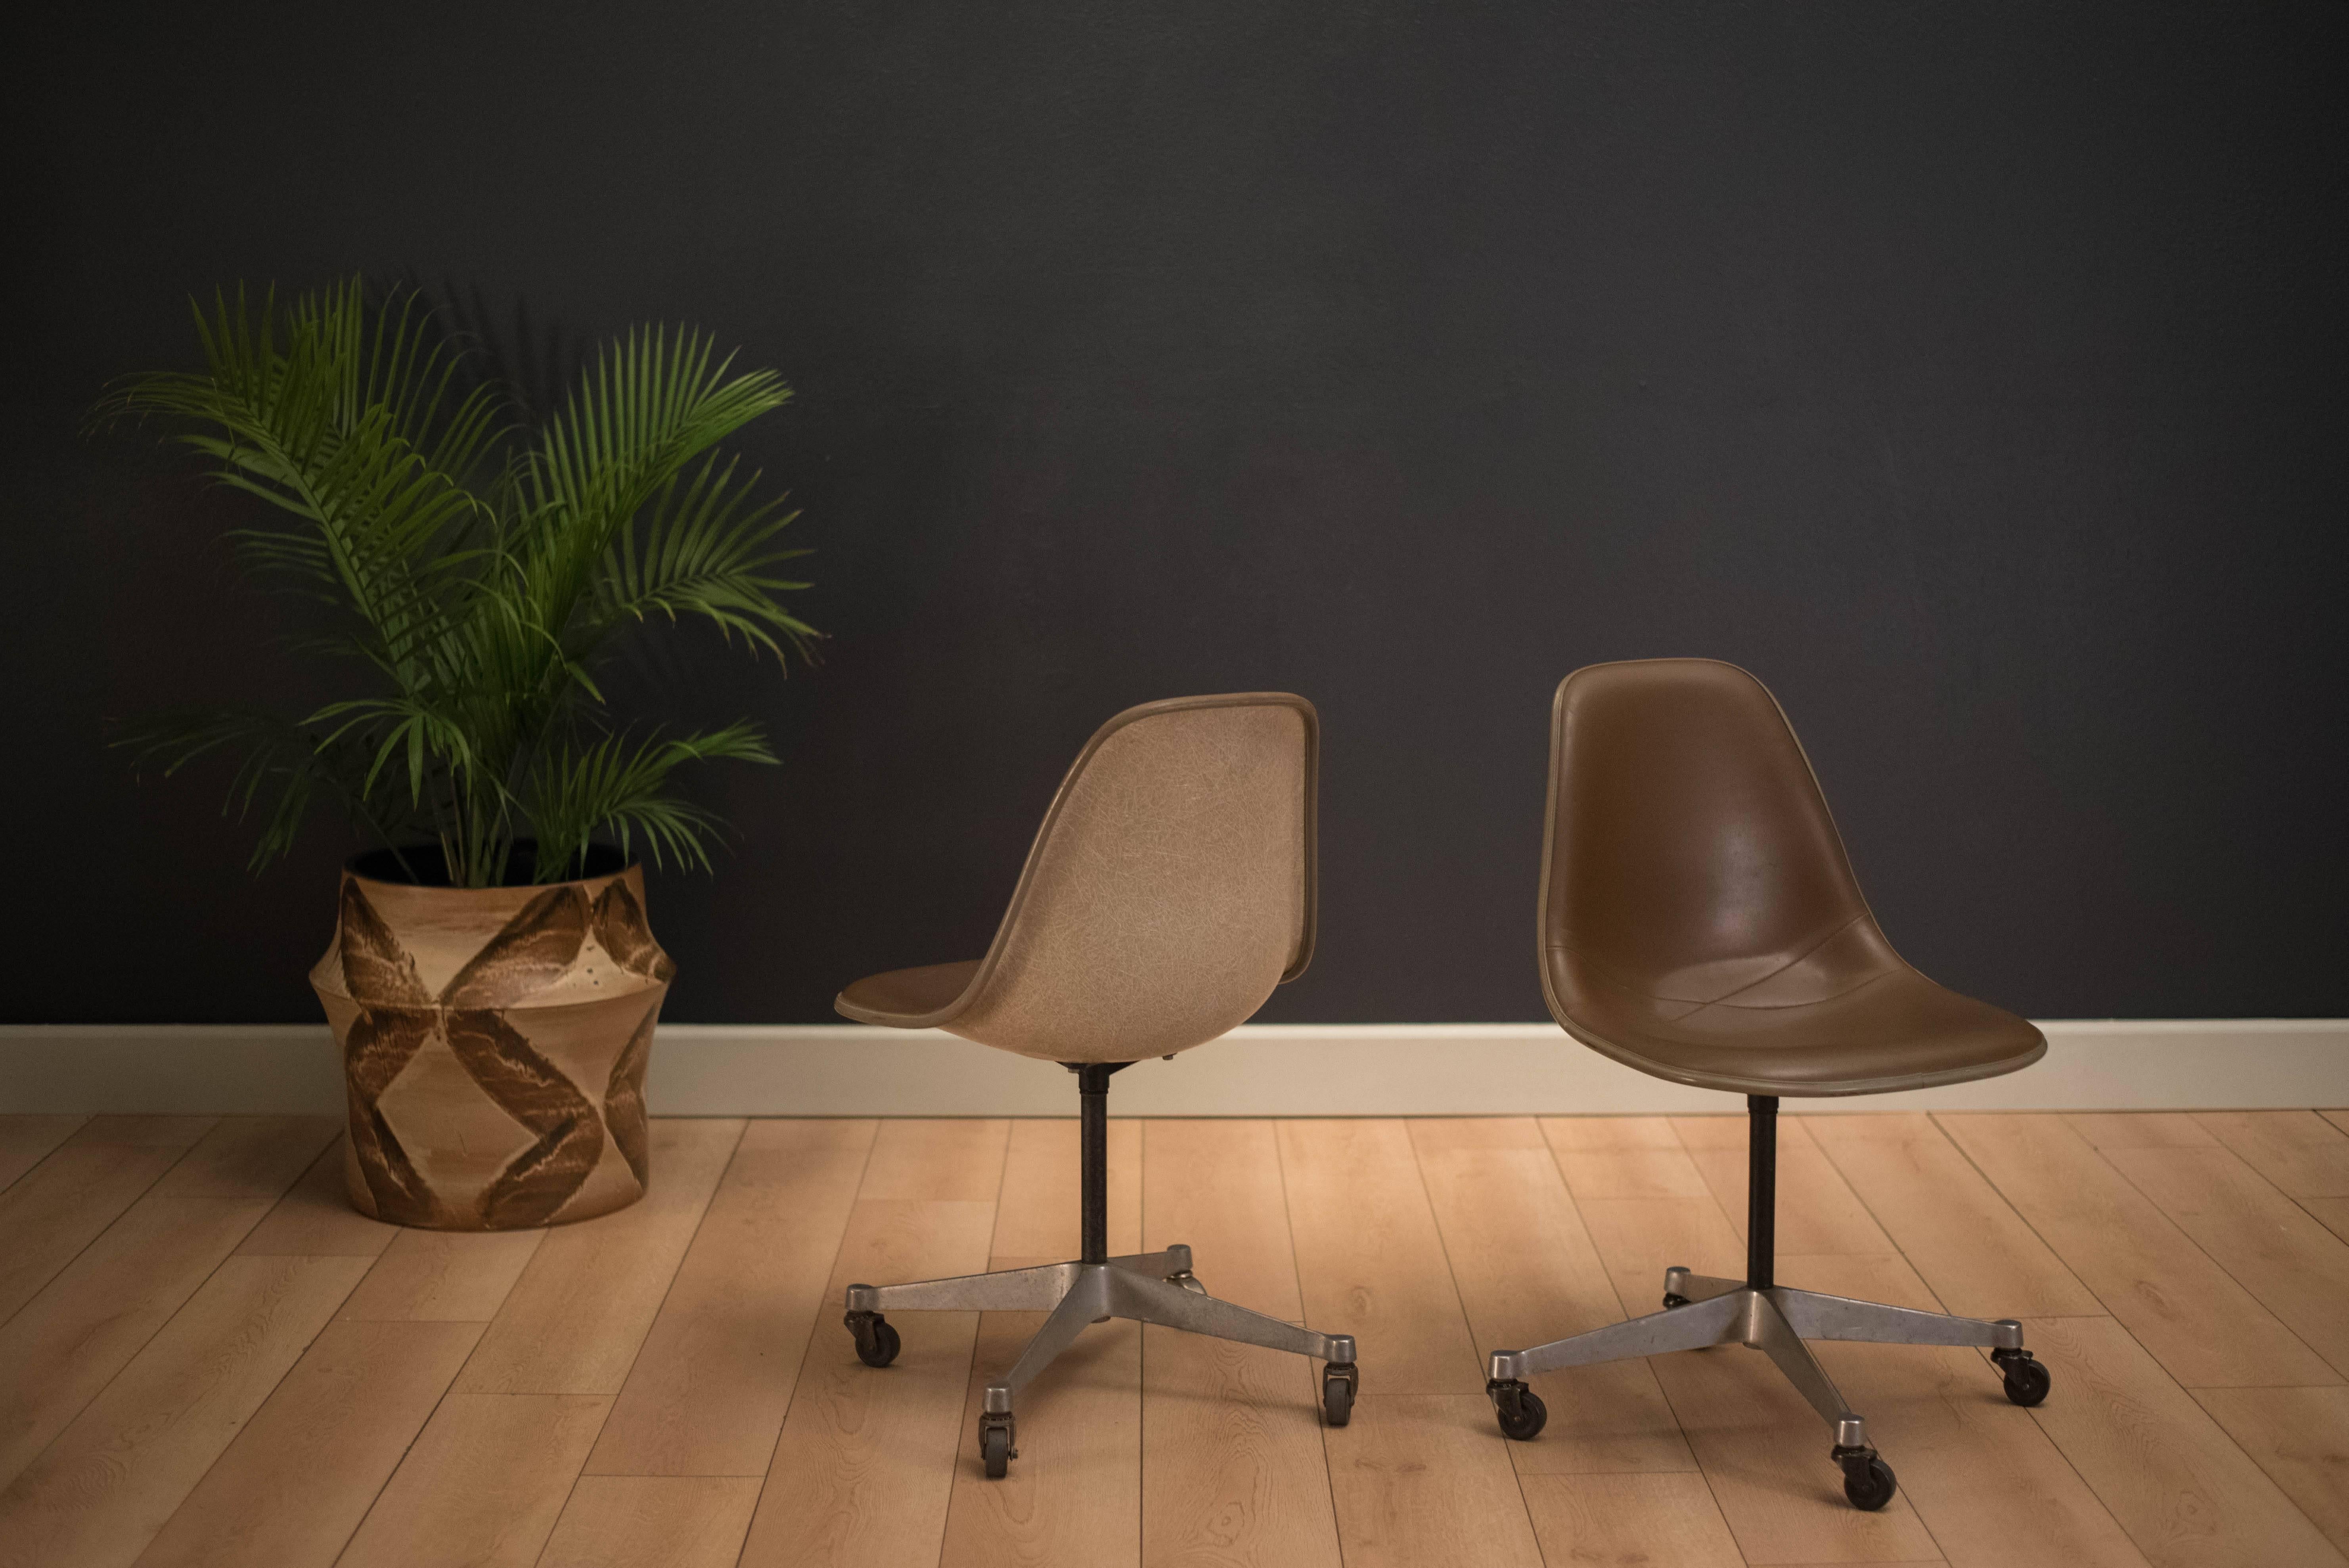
pixel 1421 1481
pixel 2140 1130
pixel 1232 1460
pixel 249 1156
pixel 2185 1492
pixel 1370 1258
pixel 179 1133
pixel 60 1206
pixel 102 1308
pixel 1527 1273
pixel 484 1483
pixel 443 1277
pixel 1863 1126
pixel 1818 1213
pixel 314 1219
pixel 1654 1521
pixel 25 1141
pixel 94 1315
pixel 1639 1238
pixel 864 1468
pixel 2339 1118
pixel 2301 1437
pixel 1232 1470
pixel 1617 1132
pixel 2190 1313
pixel 2294 1266
pixel 2301 1440
pixel 1764 1453
pixel 1626 1156
pixel 1075 1494
pixel 708 1390
pixel 99 1493
pixel 2303 1154
pixel 1943 1421
pixel 652 1521
pixel 1039 1214
pixel 1215 1184
pixel 302 1474
pixel 941 1159
pixel 862 1474
pixel 2333 1213
pixel 1980 1258
pixel 574 1320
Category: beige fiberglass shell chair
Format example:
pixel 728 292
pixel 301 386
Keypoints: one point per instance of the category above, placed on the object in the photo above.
pixel 1699 921
pixel 1170 889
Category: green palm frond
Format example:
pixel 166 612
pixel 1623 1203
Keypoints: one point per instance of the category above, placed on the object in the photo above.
pixel 480 570
pixel 350 431
pixel 709 549
pixel 648 407
pixel 281 766
pixel 621 786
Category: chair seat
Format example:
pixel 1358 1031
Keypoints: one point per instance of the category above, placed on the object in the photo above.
pixel 1886 1028
pixel 915 998
pixel 1170 889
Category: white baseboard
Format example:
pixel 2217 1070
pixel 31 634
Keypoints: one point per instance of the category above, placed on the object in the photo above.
pixel 1260 1069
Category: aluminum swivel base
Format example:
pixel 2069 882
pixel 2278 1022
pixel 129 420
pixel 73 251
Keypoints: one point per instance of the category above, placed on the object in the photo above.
pixel 1775 1319
pixel 1148 1287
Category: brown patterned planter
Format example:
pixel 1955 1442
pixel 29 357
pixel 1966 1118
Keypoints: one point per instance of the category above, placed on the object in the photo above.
pixel 494 1042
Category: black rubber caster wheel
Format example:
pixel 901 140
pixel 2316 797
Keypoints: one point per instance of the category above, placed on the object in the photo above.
pixel 2026 1378
pixel 1189 1281
pixel 1520 1410
pixel 995 1449
pixel 1671 1301
pixel 1867 1480
pixel 1338 1381
pixel 876 1342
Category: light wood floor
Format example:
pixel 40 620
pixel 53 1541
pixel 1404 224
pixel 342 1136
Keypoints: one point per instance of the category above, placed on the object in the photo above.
pixel 206 1357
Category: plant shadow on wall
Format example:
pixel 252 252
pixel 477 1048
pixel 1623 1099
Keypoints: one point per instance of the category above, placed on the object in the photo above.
pixel 480 554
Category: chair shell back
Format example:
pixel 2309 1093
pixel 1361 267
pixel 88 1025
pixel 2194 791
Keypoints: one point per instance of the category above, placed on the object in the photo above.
pixel 1171 887
pixel 1690 852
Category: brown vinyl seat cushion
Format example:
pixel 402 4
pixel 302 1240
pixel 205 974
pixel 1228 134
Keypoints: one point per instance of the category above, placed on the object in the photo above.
pixel 1698 917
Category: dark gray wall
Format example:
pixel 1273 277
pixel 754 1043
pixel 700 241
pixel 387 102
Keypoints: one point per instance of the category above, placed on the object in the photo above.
pixel 1975 374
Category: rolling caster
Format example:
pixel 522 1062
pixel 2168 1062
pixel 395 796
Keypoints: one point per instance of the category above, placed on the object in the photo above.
pixel 1189 1281
pixel 1338 1382
pixel 1520 1410
pixel 2027 1381
pixel 877 1341
pixel 1674 1276
pixel 1867 1480
pixel 995 1449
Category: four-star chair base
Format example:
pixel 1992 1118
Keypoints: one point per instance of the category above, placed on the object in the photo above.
pixel 1148 1287
pixel 1762 1315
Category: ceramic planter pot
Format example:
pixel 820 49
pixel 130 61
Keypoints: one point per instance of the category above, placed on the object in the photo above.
pixel 494 1043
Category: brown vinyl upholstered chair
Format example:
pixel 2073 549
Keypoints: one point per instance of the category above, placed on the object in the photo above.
pixel 1170 889
pixel 1699 921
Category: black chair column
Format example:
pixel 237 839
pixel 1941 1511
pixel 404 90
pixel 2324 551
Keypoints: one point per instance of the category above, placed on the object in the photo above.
pixel 1761 1189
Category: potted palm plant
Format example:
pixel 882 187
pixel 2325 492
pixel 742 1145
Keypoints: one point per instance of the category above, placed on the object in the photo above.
pixel 492 983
